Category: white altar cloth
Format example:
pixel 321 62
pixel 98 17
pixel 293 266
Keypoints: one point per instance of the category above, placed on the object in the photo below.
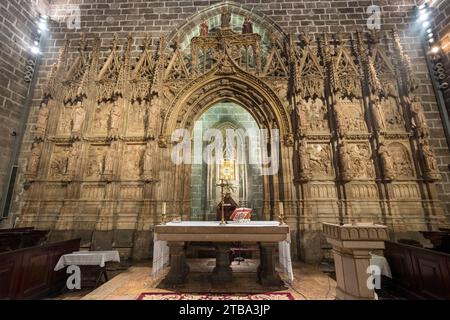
pixel 161 249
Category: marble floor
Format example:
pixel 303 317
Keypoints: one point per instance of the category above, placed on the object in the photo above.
pixel 309 283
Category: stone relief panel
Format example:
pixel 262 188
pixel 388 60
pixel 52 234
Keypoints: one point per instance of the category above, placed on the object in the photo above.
pixel 321 163
pixel 401 160
pixel 355 161
pixel 95 162
pixel 136 119
pixel 393 115
pixel 350 116
pixel 132 163
pixel 58 162
pixel 101 119
pixel 312 115
pixel 64 123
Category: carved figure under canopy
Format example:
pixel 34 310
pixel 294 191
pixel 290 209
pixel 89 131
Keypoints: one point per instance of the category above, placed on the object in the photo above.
pixel 302 116
pixel 150 160
pixel 78 116
pixel 41 124
pixel 378 116
pixel 109 159
pixel 72 159
pixel 33 159
pixel 114 120
pixel 153 117
pixel 429 159
pixel 345 161
pixel 418 117
pixel 386 161
pixel 305 158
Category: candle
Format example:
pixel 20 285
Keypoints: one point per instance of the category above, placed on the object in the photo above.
pixel 163 208
pixel 281 209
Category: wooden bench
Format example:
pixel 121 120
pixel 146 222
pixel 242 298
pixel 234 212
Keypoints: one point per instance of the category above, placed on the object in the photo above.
pixel 419 273
pixel 28 273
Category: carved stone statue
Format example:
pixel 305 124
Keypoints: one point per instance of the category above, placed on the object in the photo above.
pixel 345 160
pixel 340 119
pixel 33 160
pixel 41 123
pixel 108 166
pixel 378 116
pixel 204 28
pixel 78 116
pixel 429 160
pixel 386 161
pixel 302 115
pixel 225 18
pixel 153 117
pixel 418 117
pixel 150 160
pixel 114 120
pixel 72 160
pixel 247 26
pixel 305 158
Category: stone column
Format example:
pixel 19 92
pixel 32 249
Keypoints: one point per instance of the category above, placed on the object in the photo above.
pixel 178 266
pixel 222 271
pixel 267 274
pixel 352 245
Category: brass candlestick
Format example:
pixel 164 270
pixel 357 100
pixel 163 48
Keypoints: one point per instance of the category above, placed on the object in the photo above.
pixel 163 214
pixel 281 214
pixel 222 186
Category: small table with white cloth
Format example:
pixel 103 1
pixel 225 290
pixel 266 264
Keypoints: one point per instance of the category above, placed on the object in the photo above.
pixel 93 262
pixel 173 236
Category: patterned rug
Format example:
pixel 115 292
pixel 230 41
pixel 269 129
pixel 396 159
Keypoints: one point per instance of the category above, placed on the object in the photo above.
pixel 216 296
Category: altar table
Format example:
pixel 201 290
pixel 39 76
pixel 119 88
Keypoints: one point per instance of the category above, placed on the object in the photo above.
pixel 172 237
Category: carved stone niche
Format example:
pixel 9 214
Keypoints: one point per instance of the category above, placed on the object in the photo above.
pixel 352 245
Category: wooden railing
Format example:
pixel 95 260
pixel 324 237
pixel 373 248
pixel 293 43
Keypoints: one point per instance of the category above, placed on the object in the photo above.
pixel 28 273
pixel 417 272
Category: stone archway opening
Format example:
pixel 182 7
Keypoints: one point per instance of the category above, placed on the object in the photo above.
pixel 239 132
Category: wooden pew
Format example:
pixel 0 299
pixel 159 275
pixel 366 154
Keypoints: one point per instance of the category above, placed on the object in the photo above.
pixel 28 273
pixel 419 273
pixel 16 229
pixel 15 239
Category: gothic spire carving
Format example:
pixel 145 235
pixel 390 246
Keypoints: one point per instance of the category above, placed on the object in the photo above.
pixel 109 73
